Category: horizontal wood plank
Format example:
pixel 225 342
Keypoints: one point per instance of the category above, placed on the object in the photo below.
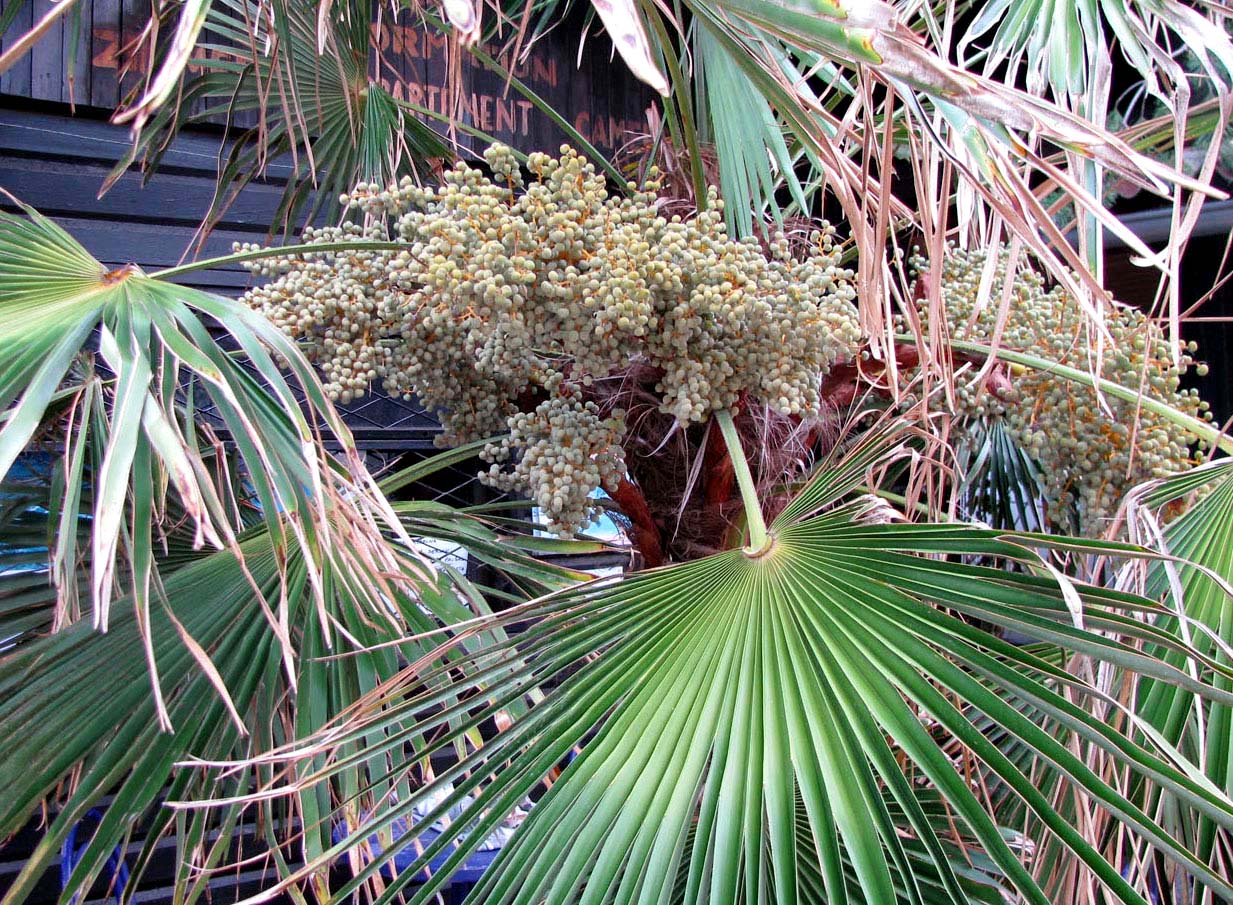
pixel 46 134
pixel 171 199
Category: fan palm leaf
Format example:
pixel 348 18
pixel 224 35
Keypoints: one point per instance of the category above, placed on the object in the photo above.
pixel 1198 589
pixel 1061 47
pixel 742 715
pixel 114 364
pixel 1002 485
pixel 81 721
pixel 295 88
pixel 752 153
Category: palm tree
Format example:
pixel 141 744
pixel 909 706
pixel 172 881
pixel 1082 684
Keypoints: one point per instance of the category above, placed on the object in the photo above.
pixel 830 710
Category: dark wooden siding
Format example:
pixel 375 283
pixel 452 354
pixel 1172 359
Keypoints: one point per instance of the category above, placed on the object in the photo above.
pixel 59 163
pixel 88 67
pixel 1205 263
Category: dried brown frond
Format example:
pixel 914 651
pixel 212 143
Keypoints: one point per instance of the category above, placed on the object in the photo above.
pixel 678 197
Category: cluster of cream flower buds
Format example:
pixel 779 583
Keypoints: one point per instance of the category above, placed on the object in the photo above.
pixel 505 290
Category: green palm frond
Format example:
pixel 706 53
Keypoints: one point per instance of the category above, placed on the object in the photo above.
pixel 1060 44
pixel 27 599
pixel 1002 485
pixel 753 156
pixel 981 112
pixel 1195 583
pixel 87 697
pixel 978 877
pixel 40 579
pixel 1202 538
pixel 84 723
pixel 111 367
pixel 740 717
pixel 295 89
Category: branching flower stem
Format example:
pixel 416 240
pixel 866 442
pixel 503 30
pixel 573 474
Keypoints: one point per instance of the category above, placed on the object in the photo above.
pixel 1209 433
pixel 317 249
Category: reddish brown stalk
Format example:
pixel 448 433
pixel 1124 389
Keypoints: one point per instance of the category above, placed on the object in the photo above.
pixel 845 381
pixel 644 532
pixel 717 467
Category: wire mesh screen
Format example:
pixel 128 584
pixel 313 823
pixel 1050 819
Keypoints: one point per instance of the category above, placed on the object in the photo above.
pixel 378 422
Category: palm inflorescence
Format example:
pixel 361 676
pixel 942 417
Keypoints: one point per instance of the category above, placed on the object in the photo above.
pixel 1091 448
pixel 523 309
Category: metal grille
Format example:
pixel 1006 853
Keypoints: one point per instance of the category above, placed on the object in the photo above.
pixel 378 422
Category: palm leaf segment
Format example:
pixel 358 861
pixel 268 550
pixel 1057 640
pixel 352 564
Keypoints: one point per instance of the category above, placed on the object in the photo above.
pixel 77 703
pixel 1202 537
pixel 294 84
pixel 743 723
pixel 113 364
pixel 82 725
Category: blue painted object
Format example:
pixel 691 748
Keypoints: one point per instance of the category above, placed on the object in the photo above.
pixel 1153 886
pixel 470 872
pixel 115 871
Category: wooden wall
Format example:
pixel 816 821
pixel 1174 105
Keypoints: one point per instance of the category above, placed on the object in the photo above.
pixel 56 147
pixel 58 163
pixel 70 68
pixel 93 67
